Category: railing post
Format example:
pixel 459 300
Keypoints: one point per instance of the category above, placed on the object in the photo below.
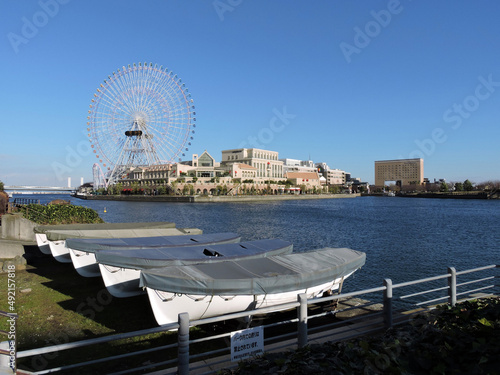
pixel 388 303
pixel 302 328
pixel 452 286
pixel 183 344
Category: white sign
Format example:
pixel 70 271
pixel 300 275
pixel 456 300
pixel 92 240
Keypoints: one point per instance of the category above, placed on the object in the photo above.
pixel 247 343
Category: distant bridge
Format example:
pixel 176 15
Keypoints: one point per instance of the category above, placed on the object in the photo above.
pixel 38 190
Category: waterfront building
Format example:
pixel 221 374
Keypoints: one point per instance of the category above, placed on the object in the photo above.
pixel 309 179
pixel 154 174
pixel 202 167
pixel 266 163
pixel 295 165
pixel 402 171
pixel 332 176
pixel 242 166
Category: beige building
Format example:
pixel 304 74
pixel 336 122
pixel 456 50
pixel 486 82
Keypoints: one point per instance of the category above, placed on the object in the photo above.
pixel 403 171
pixel 266 163
pixel 309 179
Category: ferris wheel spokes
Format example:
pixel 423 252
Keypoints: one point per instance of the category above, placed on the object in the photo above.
pixel 141 115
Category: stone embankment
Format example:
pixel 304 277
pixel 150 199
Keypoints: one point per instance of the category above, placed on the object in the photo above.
pixel 16 233
pixel 214 198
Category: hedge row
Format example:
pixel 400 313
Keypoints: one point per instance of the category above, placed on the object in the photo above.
pixel 60 214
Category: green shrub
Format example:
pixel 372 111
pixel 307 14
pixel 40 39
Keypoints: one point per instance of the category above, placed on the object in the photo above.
pixel 60 214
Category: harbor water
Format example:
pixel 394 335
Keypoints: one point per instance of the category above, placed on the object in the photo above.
pixel 404 238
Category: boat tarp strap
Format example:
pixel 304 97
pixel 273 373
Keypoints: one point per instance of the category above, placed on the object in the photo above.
pixel 103 226
pixel 92 245
pixel 275 274
pixel 177 256
pixel 59 235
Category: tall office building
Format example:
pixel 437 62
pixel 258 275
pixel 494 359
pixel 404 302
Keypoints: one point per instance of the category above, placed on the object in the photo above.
pixel 403 171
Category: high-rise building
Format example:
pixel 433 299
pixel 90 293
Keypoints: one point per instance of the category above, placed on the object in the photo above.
pixel 402 171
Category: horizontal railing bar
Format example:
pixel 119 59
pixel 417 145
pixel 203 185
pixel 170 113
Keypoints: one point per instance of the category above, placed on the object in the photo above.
pixel 290 334
pixel 356 307
pixel 431 301
pixel 284 322
pixel 475 290
pixel 134 370
pixel 264 310
pixel 106 359
pixel 473 298
pixel 350 320
pixel 424 292
pixel 99 340
pixel 371 313
pixel 214 337
pixel 420 281
pixel 215 351
pixel 373 330
pixel 359 327
pixel 478 269
pixel 348 295
pixel 476 281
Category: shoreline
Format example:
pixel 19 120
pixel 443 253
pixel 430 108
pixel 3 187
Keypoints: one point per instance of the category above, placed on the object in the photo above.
pixel 212 198
pixel 473 195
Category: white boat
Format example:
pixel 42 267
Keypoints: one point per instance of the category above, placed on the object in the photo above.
pixel 43 242
pixel 211 289
pixel 121 270
pixel 82 250
pixel 57 238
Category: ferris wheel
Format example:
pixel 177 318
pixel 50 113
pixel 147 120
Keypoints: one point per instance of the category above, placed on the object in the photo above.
pixel 141 115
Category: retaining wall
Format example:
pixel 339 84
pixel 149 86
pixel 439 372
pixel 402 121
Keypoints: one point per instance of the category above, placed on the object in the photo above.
pixel 15 227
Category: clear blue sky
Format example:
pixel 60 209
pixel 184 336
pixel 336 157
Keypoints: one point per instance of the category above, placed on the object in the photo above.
pixel 358 81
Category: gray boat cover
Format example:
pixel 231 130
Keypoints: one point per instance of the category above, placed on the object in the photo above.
pixel 92 245
pixel 275 274
pixel 177 256
pixel 59 235
pixel 101 226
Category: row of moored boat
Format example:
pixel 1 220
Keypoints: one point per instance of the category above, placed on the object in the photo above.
pixel 184 270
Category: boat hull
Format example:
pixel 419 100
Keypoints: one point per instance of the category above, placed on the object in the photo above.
pixel 85 263
pixel 59 251
pixel 167 306
pixel 43 243
pixel 121 282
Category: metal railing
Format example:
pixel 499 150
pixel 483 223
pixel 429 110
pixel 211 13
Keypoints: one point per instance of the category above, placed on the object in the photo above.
pixel 23 201
pixel 420 295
